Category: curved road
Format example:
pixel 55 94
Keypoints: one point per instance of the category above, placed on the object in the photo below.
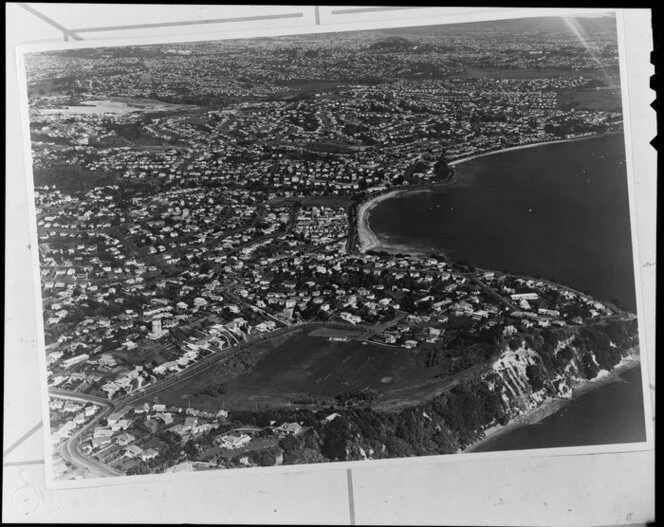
pixel 70 450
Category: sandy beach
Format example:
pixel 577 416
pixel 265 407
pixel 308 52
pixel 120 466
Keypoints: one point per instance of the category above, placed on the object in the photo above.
pixel 366 238
pixel 552 406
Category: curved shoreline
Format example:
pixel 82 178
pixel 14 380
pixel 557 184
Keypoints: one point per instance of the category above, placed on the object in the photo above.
pixel 530 145
pixel 367 238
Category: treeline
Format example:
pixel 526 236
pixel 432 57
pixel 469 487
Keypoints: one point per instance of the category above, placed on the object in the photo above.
pixel 440 426
pixel 441 168
pixel 605 342
pixel 355 397
pixel 74 179
pixel 460 350
pixel 71 179
pixel 46 138
pixel 131 131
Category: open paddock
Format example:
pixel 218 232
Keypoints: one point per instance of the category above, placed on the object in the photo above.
pixel 312 368
pixel 115 105
pixel 312 201
pixel 606 99
pixel 327 332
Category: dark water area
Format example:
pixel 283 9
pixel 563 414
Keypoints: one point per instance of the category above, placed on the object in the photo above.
pixel 560 211
pixel 612 413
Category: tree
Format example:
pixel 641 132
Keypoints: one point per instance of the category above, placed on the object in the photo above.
pixel 534 377
pixel 190 449
pixel 407 302
pixel 397 447
pixel 266 432
pixel 292 448
pixel 265 458
pixel 441 169
pixel 588 366
pixel 289 443
pixel 336 434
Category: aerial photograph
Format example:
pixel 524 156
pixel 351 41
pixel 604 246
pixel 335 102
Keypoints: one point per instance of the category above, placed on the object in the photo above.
pixel 343 246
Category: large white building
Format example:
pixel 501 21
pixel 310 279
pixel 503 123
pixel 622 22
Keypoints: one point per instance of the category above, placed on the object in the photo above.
pixel 68 363
pixel 234 442
pixel 157 331
pixel 524 296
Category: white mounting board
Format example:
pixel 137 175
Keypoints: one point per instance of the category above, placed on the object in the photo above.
pixel 597 489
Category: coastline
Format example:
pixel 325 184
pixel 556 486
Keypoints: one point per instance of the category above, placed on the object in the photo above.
pixel 528 145
pixel 367 239
pixel 552 406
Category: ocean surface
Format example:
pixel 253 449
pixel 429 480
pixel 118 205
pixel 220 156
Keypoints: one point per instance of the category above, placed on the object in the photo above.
pixel 559 211
pixel 612 413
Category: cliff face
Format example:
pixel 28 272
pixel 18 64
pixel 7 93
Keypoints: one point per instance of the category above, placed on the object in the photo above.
pixel 527 371
pixel 523 382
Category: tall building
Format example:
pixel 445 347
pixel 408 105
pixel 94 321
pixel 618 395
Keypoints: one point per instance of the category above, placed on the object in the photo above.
pixel 157 331
pixel 125 321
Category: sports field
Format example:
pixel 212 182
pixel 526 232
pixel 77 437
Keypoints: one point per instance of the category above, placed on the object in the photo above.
pixel 306 367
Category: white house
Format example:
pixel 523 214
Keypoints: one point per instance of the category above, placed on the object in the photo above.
pixel 290 428
pixel 148 454
pixel 234 442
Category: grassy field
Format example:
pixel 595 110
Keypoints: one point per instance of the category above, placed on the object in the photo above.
pixel 307 366
pixel 335 332
pixel 607 99
pixel 112 105
pixel 211 389
pixel 313 201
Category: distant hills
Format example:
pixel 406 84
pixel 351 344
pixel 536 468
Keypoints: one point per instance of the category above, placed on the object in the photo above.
pixel 518 26
pixel 389 40
pixel 398 44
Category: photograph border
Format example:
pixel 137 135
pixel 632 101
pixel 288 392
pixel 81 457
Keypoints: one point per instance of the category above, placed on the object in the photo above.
pixel 438 20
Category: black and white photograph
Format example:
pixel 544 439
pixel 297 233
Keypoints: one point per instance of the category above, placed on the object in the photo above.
pixel 348 246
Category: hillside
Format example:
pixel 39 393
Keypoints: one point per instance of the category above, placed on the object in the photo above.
pixel 529 371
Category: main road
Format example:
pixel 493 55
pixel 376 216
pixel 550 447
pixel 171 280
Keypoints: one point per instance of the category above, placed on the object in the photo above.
pixel 70 449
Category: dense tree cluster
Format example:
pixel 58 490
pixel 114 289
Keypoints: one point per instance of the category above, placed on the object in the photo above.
pixel 535 377
pixel 355 397
pixel 441 168
pixel 70 179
